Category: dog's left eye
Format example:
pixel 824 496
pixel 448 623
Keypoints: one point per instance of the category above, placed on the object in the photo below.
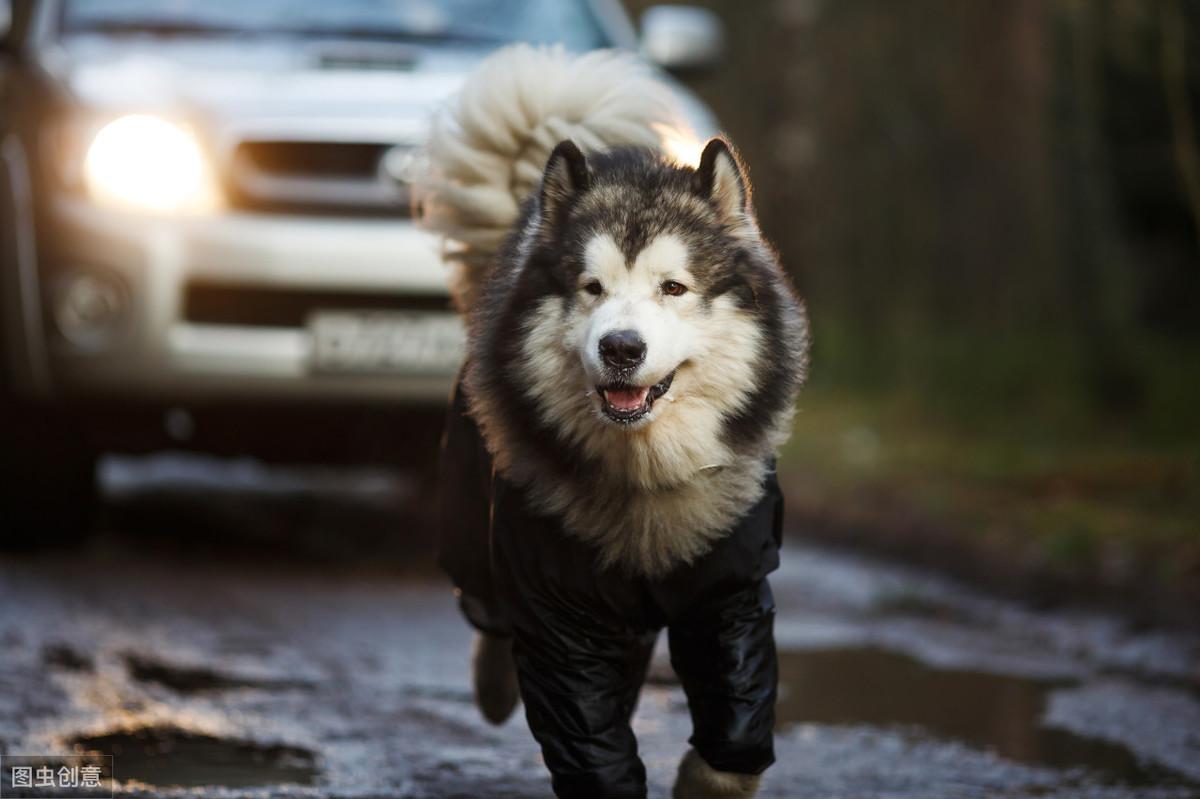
pixel 673 288
pixel 594 288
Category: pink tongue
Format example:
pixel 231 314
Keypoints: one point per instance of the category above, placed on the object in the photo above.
pixel 626 399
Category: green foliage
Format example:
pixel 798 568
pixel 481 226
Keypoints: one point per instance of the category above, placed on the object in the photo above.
pixel 1072 498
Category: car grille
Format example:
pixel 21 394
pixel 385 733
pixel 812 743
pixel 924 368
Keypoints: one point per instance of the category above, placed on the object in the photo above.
pixel 319 177
pixel 225 304
pixel 314 159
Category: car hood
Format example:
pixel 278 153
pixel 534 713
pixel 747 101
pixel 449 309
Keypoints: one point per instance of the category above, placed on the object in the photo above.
pixel 299 87
pixel 237 88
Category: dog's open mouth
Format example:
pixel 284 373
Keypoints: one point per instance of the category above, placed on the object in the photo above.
pixel 627 403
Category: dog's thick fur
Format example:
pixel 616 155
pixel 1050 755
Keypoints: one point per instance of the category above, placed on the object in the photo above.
pixel 653 459
pixel 654 494
pixel 698 780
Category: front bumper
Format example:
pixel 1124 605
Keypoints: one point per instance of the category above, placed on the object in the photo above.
pixel 153 351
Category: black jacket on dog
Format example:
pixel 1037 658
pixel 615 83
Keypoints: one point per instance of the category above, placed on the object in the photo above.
pixel 583 636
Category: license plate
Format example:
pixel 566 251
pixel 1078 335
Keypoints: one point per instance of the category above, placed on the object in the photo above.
pixel 386 342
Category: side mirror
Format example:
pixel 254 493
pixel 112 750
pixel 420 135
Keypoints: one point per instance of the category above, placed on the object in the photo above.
pixel 682 38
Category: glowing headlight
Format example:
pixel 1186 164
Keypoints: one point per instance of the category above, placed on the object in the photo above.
pixel 147 163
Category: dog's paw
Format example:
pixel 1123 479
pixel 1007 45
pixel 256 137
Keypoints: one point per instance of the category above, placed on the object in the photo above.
pixel 495 677
pixel 698 780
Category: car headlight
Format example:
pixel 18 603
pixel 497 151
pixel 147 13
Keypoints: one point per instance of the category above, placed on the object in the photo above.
pixel 147 163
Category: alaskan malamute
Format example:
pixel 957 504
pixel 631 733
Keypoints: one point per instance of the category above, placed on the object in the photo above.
pixel 635 350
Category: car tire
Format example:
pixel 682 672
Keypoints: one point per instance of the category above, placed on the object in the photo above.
pixel 48 494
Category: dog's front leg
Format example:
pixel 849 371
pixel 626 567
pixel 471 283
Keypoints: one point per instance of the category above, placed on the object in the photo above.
pixel 579 687
pixel 724 654
pixel 698 780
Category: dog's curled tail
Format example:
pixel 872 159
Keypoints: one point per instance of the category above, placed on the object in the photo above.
pixel 488 147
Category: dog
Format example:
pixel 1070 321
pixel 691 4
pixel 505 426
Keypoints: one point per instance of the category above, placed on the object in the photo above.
pixel 635 350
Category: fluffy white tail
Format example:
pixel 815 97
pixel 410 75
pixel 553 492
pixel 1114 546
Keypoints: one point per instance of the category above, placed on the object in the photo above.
pixel 488 147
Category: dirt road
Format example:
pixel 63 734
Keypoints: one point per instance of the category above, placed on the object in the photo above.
pixel 280 679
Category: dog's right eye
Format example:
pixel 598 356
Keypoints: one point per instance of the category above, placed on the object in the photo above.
pixel 594 288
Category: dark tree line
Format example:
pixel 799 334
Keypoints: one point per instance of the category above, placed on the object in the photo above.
pixel 991 205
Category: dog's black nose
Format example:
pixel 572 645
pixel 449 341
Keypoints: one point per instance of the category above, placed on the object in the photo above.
pixel 622 349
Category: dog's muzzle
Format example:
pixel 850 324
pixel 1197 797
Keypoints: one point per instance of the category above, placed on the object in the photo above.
pixel 626 403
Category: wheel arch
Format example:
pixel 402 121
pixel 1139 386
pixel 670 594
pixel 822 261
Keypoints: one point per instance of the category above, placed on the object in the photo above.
pixel 22 338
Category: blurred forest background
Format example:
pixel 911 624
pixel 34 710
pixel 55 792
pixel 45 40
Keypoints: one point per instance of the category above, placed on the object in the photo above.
pixel 993 211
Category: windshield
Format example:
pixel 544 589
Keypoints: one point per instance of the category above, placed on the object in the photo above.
pixel 482 22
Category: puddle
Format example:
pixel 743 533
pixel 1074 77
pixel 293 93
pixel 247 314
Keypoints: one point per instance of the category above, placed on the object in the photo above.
pixel 171 757
pixel 996 712
pixel 197 679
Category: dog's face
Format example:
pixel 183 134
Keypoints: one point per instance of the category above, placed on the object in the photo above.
pixel 634 323
pixel 651 260
pixel 648 329
pixel 646 315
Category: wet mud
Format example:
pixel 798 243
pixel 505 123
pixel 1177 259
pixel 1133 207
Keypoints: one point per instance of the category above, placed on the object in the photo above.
pixel 999 713
pixel 172 757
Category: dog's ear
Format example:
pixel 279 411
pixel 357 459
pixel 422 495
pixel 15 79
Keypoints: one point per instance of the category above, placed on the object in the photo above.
pixel 721 180
pixel 565 177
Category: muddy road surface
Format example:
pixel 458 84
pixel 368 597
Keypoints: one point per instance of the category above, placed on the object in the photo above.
pixel 286 676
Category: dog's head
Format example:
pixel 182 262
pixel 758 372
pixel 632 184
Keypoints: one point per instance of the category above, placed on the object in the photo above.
pixel 648 310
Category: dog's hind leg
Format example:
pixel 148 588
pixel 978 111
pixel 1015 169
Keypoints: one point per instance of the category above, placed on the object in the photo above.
pixel 494 677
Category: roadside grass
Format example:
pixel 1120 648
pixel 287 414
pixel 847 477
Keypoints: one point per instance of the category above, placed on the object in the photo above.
pixel 1084 501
